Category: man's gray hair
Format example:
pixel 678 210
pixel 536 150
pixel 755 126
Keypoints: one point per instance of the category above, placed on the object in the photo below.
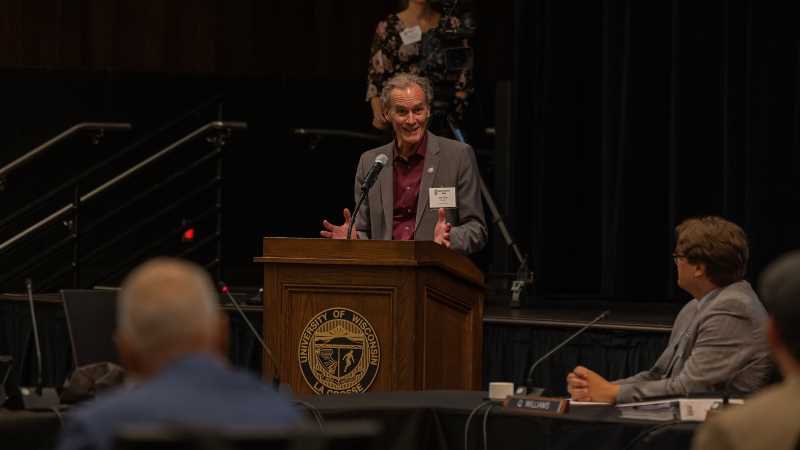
pixel 403 81
pixel 167 303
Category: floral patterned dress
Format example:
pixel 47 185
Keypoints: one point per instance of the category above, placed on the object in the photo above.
pixel 425 57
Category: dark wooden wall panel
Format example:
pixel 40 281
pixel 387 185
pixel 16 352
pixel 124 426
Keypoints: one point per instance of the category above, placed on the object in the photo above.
pixel 297 39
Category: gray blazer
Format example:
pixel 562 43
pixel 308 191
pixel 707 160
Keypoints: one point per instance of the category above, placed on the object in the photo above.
pixel 448 163
pixel 711 340
pixel 767 421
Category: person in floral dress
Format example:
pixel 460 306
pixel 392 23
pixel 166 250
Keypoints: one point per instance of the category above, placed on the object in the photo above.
pixel 411 41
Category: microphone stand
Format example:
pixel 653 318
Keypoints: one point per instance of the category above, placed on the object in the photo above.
pixel 369 181
pixel 524 277
pixel 364 191
pixel 276 381
pixel 529 379
pixel 39 397
pixel 726 394
pixel 6 363
pixel 37 345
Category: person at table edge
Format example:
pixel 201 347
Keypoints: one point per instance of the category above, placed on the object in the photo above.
pixel 714 337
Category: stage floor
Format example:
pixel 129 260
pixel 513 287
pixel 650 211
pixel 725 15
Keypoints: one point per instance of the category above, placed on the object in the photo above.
pixel 624 316
pixel 628 316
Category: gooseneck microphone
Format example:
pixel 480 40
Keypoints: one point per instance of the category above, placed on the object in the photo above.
pixel 39 397
pixel 369 180
pixel 276 380
pixel 726 393
pixel 37 345
pixel 374 171
pixel 529 378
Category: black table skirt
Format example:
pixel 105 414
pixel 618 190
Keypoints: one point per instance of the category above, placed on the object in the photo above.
pixel 26 430
pixel 436 420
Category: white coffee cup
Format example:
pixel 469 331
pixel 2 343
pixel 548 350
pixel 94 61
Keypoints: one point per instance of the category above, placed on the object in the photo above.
pixel 499 390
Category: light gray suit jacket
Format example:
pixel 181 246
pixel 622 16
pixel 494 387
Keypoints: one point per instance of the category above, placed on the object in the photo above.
pixel 710 341
pixel 767 421
pixel 448 163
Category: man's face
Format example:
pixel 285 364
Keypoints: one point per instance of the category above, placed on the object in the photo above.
pixel 683 269
pixel 688 273
pixel 408 114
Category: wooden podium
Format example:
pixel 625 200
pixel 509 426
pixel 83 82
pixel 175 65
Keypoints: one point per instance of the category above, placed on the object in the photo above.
pixel 355 316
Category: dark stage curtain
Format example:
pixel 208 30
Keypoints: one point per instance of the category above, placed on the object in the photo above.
pixel 631 116
pixel 509 351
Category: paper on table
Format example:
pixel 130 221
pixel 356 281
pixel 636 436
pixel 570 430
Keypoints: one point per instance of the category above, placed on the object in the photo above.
pixel 576 403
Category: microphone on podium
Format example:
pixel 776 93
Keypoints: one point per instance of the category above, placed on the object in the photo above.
pixel 369 180
pixel 276 381
pixel 529 388
pixel 372 175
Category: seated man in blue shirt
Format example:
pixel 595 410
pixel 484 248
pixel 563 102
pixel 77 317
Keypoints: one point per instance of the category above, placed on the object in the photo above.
pixel 172 338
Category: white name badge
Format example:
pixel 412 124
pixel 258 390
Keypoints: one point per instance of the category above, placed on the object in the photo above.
pixel 411 35
pixel 442 197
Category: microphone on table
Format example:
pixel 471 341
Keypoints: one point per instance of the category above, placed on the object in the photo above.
pixel 528 388
pixel 369 180
pixel 39 397
pixel 726 393
pixel 6 363
pixel 276 381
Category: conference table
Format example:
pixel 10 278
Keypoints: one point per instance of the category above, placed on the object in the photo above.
pixel 435 420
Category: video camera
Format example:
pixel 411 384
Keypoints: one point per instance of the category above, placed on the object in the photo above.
pixel 445 52
pixel 450 42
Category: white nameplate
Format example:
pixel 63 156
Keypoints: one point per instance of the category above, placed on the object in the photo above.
pixel 443 197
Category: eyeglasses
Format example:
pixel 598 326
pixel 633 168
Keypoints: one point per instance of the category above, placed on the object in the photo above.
pixel 675 257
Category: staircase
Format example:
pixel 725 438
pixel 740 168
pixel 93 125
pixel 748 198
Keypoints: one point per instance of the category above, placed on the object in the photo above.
pixel 83 208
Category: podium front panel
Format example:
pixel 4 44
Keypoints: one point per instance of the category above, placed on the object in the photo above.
pixel 340 329
pixel 355 316
pixel 342 334
pixel 450 319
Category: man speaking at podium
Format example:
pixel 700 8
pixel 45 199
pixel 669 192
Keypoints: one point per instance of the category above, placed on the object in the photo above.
pixel 715 337
pixel 430 187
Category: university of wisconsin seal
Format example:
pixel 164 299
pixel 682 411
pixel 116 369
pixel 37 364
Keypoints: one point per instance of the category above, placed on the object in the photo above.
pixel 339 352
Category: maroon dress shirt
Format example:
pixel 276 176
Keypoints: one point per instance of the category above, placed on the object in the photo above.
pixel 407 178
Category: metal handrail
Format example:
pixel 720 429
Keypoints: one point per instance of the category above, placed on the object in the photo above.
pixel 132 228
pixel 137 256
pixel 215 125
pixel 71 183
pixel 141 194
pixel 100 127
pixel 125 263
pixel 148 220
pixel 319 132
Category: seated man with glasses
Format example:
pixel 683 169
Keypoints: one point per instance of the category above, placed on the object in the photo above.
pixel 715 336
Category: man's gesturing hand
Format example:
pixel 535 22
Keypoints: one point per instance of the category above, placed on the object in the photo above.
pixel 332 231
pixel 441 233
